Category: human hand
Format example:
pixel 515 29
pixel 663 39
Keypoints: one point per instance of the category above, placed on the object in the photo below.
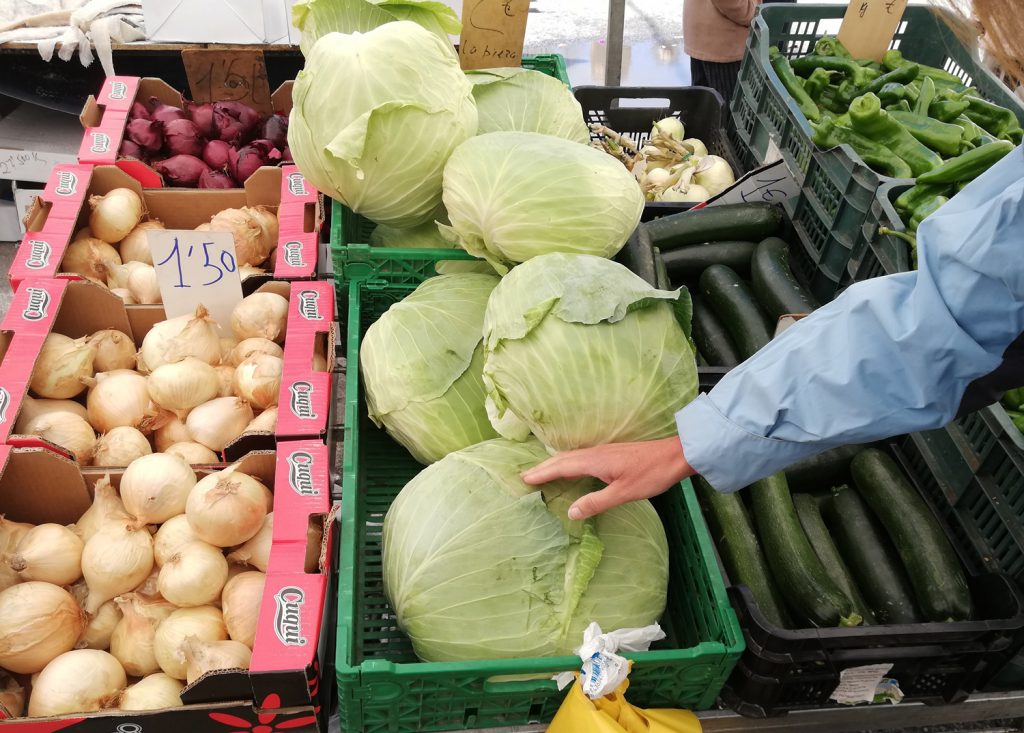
pixel 631 471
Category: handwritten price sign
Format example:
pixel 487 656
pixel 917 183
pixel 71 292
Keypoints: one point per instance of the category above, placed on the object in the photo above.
pixel 196 268
pixel 770 184
pixel 492 33
pixel 869 25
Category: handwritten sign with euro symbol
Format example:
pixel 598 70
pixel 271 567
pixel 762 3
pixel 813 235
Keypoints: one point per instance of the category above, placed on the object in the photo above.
pixel 869 25
pixel 492 33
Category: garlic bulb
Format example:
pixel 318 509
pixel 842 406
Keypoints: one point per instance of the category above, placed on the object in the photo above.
pixel 12 697
pixel 106 507
pixel 194 575
pixel 183 384
pixel 240 604
pixel 120 446
pixel 152 692
pixel 258 380
pixel 251 247
pixel 261 314
pixel 115 215
pixel 93 259
pixel 194 454
pixel 101 627
pixel 118 276
pixel 219 421
pixel 172 535
pixel 48 552
pixel 176 338
pixel 38 621
pixel 118 398
pixel 205 623
pixel 61 366
pixel 209 656
pixel 265 422
pixel 125 295
pixel 171 432
pixel 256 550
pixel 32 407
pixel 154 488
pixel 114 350
pixel 144 286
pixel 79 681
pixel 115 560
pixel 135 247
pixel 251 347
pixel 226 379
pixel 67 430
pixel 132 640
pixel 228 507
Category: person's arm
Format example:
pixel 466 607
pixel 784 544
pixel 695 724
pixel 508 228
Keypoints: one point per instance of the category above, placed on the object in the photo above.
pixel 740 12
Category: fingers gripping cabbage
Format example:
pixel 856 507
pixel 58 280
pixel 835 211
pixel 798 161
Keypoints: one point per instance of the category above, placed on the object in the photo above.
pixel 479 565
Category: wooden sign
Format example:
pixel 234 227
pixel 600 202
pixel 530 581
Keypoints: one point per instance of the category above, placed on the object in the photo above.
pixel 228 75
pixel 492 33
pixel 196 268
pixel 869 25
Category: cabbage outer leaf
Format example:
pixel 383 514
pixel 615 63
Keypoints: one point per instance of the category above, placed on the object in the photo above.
pixel 524 100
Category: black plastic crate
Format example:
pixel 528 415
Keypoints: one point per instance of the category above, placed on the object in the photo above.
pixel 633 111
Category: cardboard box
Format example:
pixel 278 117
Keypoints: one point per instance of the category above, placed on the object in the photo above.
pixel 62 210
pixel 215 21
pixel 104 117
pixel 76 308
pixel 33 140
pixel 281 690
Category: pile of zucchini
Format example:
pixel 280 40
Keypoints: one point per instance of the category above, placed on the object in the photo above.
pixel 825 557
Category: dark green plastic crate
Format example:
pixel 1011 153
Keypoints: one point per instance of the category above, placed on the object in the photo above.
pixel 382 687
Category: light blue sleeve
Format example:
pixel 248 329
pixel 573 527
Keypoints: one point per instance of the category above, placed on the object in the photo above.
pixel 891 355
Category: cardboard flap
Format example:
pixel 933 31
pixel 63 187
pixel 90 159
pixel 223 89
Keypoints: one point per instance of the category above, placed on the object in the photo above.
pixel 311 306
pixel 39 486
pixel 289 621
pixel 34 306
pixel 88 308
pixel 259 465
pixel 281 99
pixel 263 188
pixel 302 489
pixel 118 92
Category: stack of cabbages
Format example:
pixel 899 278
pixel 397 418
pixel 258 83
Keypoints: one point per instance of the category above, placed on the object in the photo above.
pixel 481 375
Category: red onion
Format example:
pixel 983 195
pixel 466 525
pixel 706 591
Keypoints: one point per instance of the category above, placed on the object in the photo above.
pixel 139 112
pixel 216 153
pixel 235 122
pixel 130 149
pixel 274 156
pixel 275 129
pixel 216 179
pixel 147 134
pixel 181 170
pixel 165 112
pixel 202 115
pixel 182 138
pixel 247 159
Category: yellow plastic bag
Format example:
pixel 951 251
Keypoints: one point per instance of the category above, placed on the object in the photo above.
pixel 614 714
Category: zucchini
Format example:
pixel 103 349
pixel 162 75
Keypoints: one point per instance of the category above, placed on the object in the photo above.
pixel 776 288
pixel 741 553
pixel 687 263
pixel 818 535
pixel 733 302
pixel 712 340
pixel 744 222
pixel 871 558
pixel 936 575
pixel 824 470
pixel 802 579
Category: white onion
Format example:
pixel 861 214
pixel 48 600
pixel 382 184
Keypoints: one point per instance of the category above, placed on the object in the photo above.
pixel 256 550
pixel 194 575
pixel 118 276
pixel 106 507
pixel 12 697
pixel 228 507
pixel 241 602
pixel 183 384
pixel 125 295
pixel 48 552
pixel 252 346
pixel 265 422
pixel 101 626
pixel 227 345
pixel 209 656
pixel 194 454
pixel 176 338
pixel 115 215
pixel 93 259
pixel 115 560
pixel 205 623
pixel 249 233
pixel 219 421
pixel 62 364
pixel 226 380
pixel 38 621
pixel 154 488
pixel 153 692
pixel 135 246
pixel 33 407
pixel 10 535
pixel 80 681
pixel 67 430
pixel 172 535
pixel 144 286
pixel 132 640
pixel 269 223
pixel 114 350
pixel 258 380
pixel 170 432
pixel 261 314
pixel 147 588
pixel 118 398
pixel 120 446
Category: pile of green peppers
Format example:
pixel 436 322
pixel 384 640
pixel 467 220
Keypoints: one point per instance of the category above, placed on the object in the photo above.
pixel 1013 401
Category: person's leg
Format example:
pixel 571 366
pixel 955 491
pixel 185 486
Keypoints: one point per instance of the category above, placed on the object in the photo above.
pixel 720 77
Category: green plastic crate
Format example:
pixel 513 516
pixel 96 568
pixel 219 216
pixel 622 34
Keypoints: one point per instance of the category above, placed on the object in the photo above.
pixel 552 64
pixel 382 687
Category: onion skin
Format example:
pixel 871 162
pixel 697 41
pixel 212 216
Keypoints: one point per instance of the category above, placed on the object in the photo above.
pixel 235 121
pixel 138 112
pixel 202 116
pixel 153 692
pixel 131 149
pixel 248 159
pixel 275 129
pixel 80 681
pixel 147 134
pixel 115 214
pixel 181 170
pixel 182 138
pixel 165 112
pixel 216 154
pixel 38 622
pixel 216 179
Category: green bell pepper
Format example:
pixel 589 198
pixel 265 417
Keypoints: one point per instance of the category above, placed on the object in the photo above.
pixel 996 120
pixel 969 165
pixel 793 85
pixel 903 75
pixel 1017 419
pixel 971 131
pixel 924 210
pixel 831 46
pixel 926 96
pixel 901 106
pixel 1014 399
pixel 827 134
pixel 947 110
pixel 873 122
pixel 805 66
pixel 918 194
pixel 816 83
pixel 938 136
pixel 892 93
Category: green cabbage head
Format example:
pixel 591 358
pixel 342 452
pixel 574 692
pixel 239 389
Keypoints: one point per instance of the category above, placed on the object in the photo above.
pixel 422 365
pixel 523 100
pixel 511 196
pixel 479 565
pixel 580 351
pixel 317 18
pixel 376 116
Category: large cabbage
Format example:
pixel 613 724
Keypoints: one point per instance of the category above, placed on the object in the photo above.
pixel 479 565
pixel 580 352
pixel 317 18
pixel 523 100
pixel 516 195
pixel 421 363
pixel 376 116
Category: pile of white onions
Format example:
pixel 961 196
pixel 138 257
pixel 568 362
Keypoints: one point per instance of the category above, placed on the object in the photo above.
pixel 187 391
pixel 113 249
pixel 157 584
pixel 668 166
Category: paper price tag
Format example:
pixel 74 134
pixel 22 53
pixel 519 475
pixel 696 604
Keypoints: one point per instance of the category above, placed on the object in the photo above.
pixel 869 25
pixel 492 33
pixel 858 684
pixel 769 184
pixel 196 268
